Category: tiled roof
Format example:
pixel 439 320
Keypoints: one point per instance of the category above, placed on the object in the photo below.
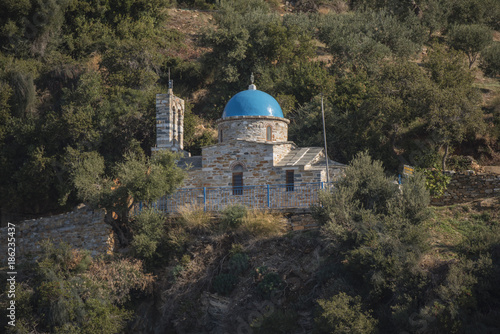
pixel 300 157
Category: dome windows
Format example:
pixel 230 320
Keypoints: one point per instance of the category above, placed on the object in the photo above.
pixel 269 133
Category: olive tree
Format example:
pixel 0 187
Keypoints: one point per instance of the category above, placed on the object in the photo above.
pixel 471 39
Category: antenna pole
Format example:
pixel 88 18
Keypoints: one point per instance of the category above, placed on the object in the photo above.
pixel 170 83
pixel 324 135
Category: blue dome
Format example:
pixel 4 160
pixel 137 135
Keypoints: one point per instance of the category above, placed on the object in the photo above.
pixel 252 102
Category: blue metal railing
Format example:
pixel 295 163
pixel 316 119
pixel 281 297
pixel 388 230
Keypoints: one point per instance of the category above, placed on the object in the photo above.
pixel 276 196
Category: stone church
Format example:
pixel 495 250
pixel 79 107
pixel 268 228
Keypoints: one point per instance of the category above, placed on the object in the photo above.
pixel 252 150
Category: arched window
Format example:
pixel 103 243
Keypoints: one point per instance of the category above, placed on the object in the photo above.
pixel 269 133
pixel 221 138
pixel 238 180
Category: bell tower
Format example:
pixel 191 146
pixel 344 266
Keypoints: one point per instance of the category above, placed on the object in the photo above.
pixel 169 121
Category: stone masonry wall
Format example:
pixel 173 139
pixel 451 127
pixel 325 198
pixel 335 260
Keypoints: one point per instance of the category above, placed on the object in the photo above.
pixel 169 122
pixel 253 128
pixel 256 159
pixel 84 229
pixel 465 188
pixel 300 219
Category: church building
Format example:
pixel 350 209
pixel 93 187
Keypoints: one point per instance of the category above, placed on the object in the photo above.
pixel 252 150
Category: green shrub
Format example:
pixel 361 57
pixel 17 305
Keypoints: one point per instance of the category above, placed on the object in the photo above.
pixel 413 202
pixel 238 263
pixel 144 246
pixel 436 181
pixel 260 272
pixel 490 60
pixel 68 292
pixel 148 229
pixel 177 239
pixel 270 284
pixel 483 239
pixel 376 229
pixel 344 314
pixel 465 287
pixel 177 270
pixel 232 216
pixel 366 185
pixel 224 284
pixel 183 262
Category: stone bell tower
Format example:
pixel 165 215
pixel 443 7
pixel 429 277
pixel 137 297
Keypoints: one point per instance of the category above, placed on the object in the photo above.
pixel 169 122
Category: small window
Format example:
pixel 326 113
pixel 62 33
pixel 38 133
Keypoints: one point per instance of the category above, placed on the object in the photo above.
pixel 290 180
pixel 269 133
pixel 221 138
pixel 238 180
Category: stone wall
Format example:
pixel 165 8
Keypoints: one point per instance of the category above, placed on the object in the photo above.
pixel 299 220
pixel 256 159
pixel 253 128
pixel 466 187
pixel 84 229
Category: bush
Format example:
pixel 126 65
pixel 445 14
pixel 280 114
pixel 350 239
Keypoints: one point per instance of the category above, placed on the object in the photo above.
pixel 177 238
pixel 144 246
pixel 468 285
pixel 70 293
pixel 369 187
pixel 271 283
pixel 262 223
pixel 377 230
pixel 414 199
pixel 148 229
pixel 343 314
pixel 490 60
pixel 436 181
pixel 364 191
pixel 238 263
pixel 194 217
pixel 224 284
pixel 232 216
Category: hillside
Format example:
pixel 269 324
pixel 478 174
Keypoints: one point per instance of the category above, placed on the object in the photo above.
pixel 309 268
pixel 404 83
pixel 395 266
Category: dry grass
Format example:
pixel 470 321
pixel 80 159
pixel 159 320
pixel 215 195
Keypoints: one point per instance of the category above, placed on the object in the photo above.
pixel 193 217
pixel 262 223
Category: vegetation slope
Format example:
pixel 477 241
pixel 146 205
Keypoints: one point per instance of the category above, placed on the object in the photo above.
pixel 413 83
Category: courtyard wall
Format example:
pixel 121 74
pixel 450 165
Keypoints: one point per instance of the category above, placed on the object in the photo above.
pixel 83 229
pixel 469 186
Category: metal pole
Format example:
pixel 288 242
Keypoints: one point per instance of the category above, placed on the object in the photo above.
pixel 268 197
pixel 204 199
pixel 324 135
